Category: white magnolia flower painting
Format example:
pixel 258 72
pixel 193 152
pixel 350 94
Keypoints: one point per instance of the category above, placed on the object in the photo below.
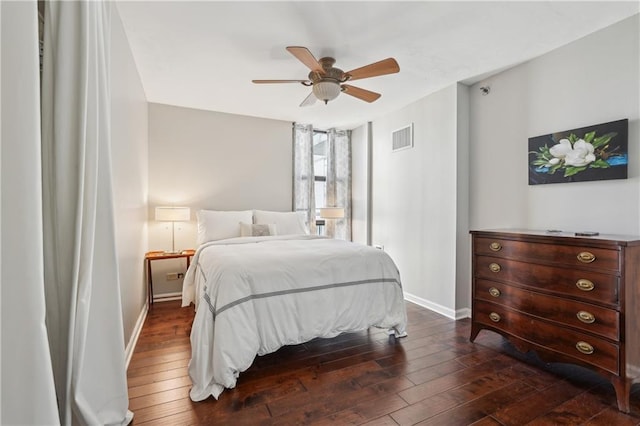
pixel 588 153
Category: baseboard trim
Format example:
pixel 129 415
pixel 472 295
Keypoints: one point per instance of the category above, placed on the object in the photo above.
pixel 165 297
pixel 435 307
pixel 128 352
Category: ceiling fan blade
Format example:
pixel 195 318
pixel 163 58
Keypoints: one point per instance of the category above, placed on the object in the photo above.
pixel 309 100
pixel 365 95
pixel 383 67
pixel 306 57
pixel 279 81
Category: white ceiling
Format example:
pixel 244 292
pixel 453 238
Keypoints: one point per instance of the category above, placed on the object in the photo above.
pixel 204 54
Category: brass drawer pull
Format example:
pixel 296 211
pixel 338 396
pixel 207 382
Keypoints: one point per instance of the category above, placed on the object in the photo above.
pixel 494 292
pixel 495 246
pixel 586 257
pixel 494 317
pixel 585 285
pixel 586 317
pixel 584 348
pixel 494 267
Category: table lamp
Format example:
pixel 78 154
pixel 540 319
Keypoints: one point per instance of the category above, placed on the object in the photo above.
pixel 173 215
pixel 331 213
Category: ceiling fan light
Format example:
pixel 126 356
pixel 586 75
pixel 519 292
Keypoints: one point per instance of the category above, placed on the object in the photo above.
pixel 326 90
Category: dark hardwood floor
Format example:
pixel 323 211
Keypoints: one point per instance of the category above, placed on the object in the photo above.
pixel 435 376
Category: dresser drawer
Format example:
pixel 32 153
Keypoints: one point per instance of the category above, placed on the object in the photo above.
pixel 569 255
pixel 581 346
pixel 584 316
pixel 588 285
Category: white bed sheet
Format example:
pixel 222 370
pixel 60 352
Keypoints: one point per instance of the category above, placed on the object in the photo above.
pixel 254 295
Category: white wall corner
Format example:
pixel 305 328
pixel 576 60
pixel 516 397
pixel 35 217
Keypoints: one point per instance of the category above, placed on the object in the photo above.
pixel 463 313
pixel 633 371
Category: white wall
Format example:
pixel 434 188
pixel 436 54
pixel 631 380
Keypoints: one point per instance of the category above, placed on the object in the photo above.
pixel 129 149
pixel 463 239
pixel 590 81
pixel 210 160
pixel 415 198
pixel 360 184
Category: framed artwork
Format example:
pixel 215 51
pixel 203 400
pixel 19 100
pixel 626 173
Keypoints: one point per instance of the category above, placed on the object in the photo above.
pixel 595 152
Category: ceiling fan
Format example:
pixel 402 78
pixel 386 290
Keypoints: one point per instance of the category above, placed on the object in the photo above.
pixel 327 82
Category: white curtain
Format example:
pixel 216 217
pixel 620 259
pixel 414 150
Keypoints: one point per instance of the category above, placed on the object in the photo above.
pixel 81 272
pixel 339 182
pixel 28 394
pixel 303 176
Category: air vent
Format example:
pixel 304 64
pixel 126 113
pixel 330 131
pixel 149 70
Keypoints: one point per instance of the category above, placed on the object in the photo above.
pixel 402 138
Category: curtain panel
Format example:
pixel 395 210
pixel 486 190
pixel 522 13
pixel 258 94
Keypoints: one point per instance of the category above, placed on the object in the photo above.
pixel 339 182
pixel 304 199
pixel 28 393
pixel 80 264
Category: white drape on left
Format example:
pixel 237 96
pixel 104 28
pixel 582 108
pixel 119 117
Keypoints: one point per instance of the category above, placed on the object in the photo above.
pixel 28 394
pixel 81 277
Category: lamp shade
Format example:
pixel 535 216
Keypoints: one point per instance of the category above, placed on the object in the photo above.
pixel 326 90
pixel 173 214
pixel 331 212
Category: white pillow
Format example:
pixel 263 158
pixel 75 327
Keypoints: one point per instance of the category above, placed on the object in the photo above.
pixel 257 230
pixel 217 225
pixel 287 223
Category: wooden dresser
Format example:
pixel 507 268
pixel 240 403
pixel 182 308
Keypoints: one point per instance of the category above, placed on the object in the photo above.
pixel 570 299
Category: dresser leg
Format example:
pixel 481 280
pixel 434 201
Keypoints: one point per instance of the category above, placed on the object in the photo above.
pixel 475 329
pixel 623 388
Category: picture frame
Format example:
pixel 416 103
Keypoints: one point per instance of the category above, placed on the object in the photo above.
pixel 597 152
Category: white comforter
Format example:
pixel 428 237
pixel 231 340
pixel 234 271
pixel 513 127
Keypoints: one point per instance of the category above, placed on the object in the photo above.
pixel 256 294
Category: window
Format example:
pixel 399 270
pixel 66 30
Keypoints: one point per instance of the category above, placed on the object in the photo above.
pixel 327 157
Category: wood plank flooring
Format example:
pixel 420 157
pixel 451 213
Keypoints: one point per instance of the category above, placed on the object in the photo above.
pixel 435 376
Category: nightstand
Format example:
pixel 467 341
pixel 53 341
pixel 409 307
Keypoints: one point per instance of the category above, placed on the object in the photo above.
pixel 161 255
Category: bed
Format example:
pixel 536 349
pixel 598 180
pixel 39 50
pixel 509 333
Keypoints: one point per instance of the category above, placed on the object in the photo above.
pixel 257 292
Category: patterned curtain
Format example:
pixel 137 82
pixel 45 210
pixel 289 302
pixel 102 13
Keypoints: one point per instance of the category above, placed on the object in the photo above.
pixel 303 177
pixel 339 182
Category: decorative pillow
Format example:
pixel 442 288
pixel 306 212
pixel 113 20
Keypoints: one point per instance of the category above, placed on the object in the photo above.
pixel 287 223
pixel 217 225
pixel 257 230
